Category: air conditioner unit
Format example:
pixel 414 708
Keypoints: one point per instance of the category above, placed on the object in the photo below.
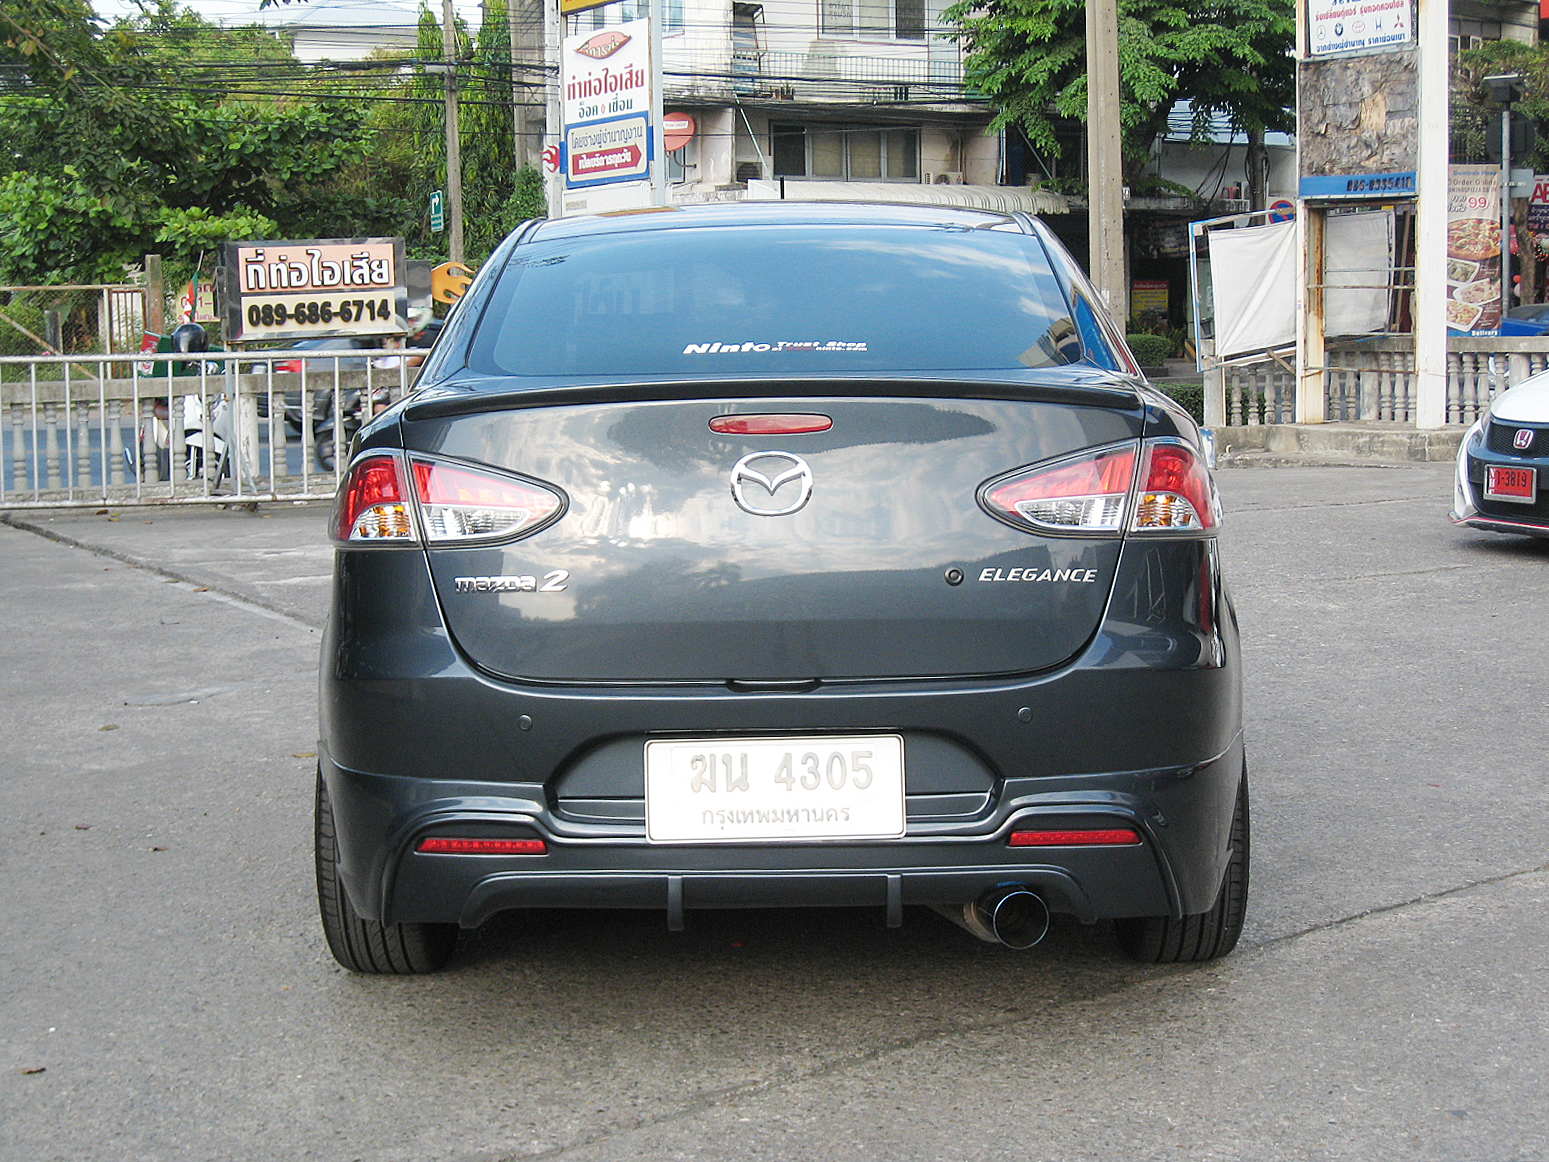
pixel 944 178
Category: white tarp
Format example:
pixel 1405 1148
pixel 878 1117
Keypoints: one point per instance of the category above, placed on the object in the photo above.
pixel 1253 271
pixel 1357 256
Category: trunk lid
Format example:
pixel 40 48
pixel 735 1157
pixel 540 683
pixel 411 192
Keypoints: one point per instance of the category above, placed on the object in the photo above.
pixel 664 570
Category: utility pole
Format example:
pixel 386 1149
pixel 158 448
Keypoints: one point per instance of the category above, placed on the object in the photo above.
pixel 454 149
pixel 1430 310
pixel 1105 163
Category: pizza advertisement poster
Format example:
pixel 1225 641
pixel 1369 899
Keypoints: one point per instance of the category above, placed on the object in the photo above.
pixel 1474 248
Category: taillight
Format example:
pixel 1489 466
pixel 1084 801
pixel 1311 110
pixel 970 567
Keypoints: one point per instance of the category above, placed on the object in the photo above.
pixel 1091 493
pixel 1176 494
pixel 1082 494
pixel 464 504
pixel 373 505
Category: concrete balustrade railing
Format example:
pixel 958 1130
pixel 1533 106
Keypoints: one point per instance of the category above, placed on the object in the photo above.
pixel 1373 380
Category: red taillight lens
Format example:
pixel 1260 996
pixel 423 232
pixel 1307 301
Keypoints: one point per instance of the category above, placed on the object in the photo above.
pixel 288 365
pixel 373 503
pixel 462 504
pixel 445 845
pixel 1176 493
pixel 1111 837
pixel 772 424
pixel 1086 494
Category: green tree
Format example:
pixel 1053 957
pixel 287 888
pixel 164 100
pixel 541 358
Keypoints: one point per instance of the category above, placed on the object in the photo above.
pixel 1476 119
pixel 119 146
pixel 1225 56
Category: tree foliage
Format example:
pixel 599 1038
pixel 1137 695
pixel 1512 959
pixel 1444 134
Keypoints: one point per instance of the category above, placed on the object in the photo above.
pixel 1229 57
pixel 164 133
pixel 1476 119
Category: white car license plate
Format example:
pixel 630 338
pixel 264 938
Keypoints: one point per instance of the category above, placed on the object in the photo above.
pixel 1518 485
pixel 762 790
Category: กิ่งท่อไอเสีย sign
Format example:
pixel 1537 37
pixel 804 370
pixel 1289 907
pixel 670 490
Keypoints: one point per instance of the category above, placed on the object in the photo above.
pixel 316 288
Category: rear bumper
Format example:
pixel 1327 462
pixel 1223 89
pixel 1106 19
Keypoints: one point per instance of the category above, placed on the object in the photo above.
pixel 1174 870
pixel 1142 729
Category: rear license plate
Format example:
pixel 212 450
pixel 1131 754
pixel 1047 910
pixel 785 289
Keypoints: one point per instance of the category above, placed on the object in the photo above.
pixel 1519 485
pixel 771 790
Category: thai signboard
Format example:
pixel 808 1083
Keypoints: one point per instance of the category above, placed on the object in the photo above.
pixel 606 92
pixel 1538 211
pixel 1474 248
pixel 1358 26
pixel 313 289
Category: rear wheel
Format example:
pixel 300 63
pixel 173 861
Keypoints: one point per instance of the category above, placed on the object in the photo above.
pixel 368 945
pixel 1163 940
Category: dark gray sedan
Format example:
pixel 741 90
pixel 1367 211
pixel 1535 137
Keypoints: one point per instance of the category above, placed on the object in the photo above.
pixel 781 555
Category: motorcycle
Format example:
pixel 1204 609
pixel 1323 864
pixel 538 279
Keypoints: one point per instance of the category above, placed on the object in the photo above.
pixel 207 439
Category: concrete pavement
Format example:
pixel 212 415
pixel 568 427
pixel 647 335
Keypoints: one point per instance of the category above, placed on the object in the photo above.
pixel 165 992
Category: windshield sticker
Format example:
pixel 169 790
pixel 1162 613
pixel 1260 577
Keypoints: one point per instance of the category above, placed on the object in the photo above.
pixel 761 348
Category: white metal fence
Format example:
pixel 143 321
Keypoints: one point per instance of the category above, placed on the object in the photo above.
pixel 163 429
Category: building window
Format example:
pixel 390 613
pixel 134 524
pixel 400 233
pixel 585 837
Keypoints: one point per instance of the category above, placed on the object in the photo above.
pixel 846 153
pixel 672 15
pixel 872 19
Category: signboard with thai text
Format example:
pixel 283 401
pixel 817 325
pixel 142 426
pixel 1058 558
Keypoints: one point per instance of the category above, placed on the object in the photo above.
pixel 606 96
pixel 1538 210
pixel 313 289
pixel 1340 26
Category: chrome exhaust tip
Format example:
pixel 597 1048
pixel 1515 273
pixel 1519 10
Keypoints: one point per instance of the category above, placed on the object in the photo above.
pixel 1011 915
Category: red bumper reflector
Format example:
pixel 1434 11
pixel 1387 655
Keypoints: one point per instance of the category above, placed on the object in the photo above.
pixel 1116 837
pixel 441 845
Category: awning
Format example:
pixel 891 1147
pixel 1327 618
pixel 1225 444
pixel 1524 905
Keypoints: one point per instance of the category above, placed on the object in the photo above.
pixel 1006 199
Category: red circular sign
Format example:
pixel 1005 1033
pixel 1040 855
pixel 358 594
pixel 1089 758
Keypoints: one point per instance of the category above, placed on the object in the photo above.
pixel 677 131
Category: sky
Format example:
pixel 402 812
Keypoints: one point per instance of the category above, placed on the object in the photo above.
pixel 216 10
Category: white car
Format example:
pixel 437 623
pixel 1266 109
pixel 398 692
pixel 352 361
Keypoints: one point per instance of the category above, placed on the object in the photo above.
pixel 1502 464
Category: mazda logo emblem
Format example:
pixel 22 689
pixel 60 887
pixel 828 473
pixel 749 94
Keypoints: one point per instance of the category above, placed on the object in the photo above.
pixel 779 486
pixel 1523 440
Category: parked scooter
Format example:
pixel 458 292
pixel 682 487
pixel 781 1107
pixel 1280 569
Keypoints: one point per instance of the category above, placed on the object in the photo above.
pixel 207 438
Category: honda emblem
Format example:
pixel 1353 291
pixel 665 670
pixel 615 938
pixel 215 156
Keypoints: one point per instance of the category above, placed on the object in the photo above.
pixel 1523 440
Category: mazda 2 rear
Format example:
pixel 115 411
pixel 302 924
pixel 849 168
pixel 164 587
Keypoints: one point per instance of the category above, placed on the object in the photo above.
pixel 781 555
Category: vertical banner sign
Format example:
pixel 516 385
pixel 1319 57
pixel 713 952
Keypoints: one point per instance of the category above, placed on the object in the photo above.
pixel 605 81
pixel 1474 248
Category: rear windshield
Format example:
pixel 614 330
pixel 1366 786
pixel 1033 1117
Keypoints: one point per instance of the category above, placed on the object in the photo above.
pixel 822 298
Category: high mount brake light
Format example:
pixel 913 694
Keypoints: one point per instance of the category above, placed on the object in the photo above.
pixel 1176 494
pixel 1091 493
pixel 1084 494
pixel 771 424
pixel 464 504
pixel 373 505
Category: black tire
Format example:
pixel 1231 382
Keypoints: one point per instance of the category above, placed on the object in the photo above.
pixel 1163 940
pixel 369 945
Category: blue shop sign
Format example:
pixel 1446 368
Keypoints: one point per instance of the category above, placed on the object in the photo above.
pixel 1360 185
